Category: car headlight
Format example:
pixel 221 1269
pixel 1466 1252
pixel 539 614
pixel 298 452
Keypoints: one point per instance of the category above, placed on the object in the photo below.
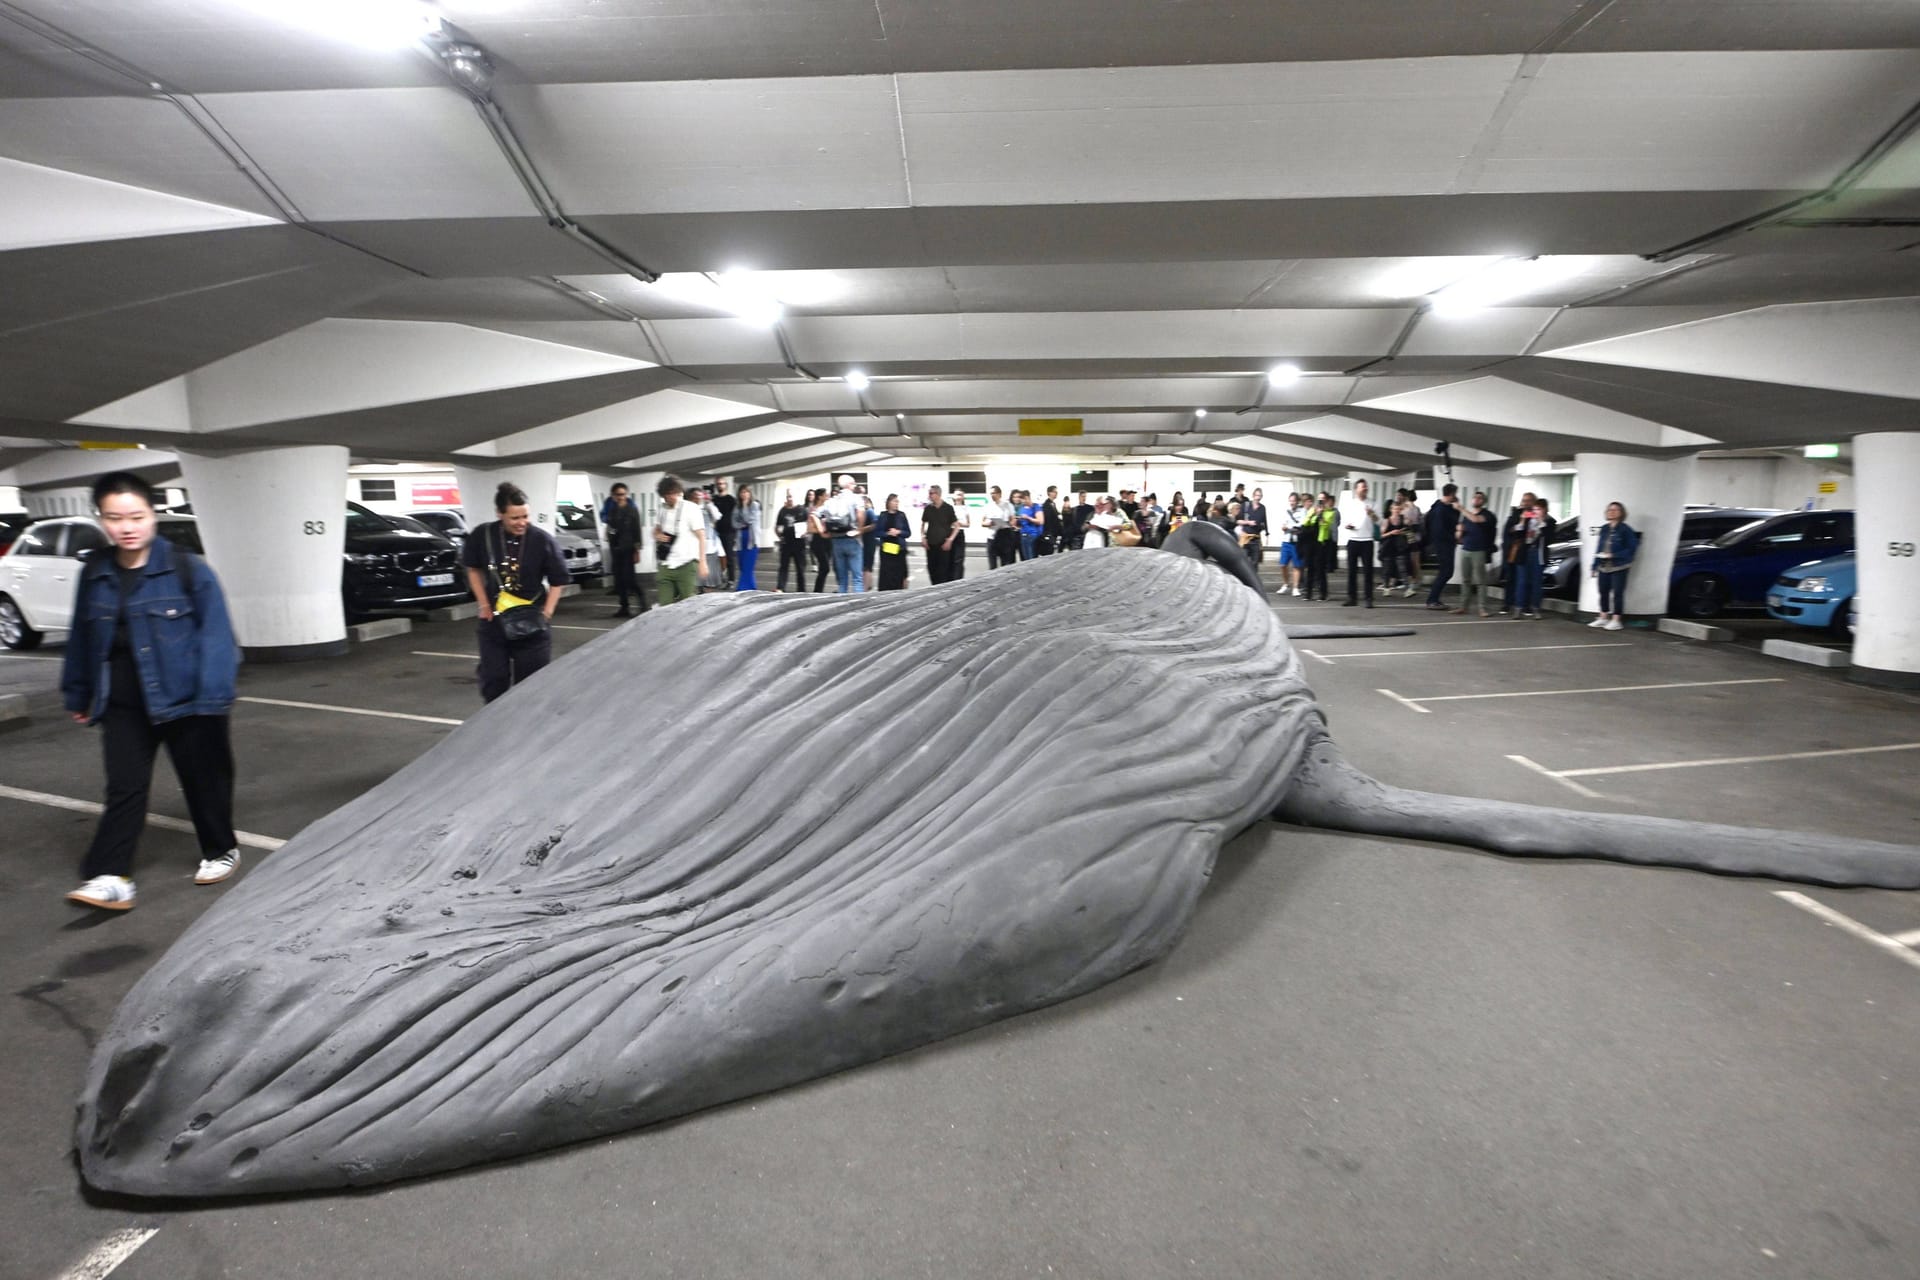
pixel 1815 586
pixel 369 559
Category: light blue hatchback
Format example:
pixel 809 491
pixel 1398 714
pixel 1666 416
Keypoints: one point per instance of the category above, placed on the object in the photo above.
pixel 1815 594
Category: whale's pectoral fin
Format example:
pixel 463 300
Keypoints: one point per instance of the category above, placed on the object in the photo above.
pixel 1329 792
pixel 1344 633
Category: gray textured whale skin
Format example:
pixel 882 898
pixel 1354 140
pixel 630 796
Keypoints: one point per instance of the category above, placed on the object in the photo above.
pixel 929 826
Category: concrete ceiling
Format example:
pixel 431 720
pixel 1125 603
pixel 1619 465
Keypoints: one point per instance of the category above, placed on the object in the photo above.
pixel 1119 210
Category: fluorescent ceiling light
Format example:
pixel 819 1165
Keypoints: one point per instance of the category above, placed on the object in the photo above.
pixel 1821 451
pixel 731 292
pixel 1284 375
pixel 1533 468
pixel 1199 413
pixel 858 380
pixel 378 24
pixel 1506 279
pixel 1417 277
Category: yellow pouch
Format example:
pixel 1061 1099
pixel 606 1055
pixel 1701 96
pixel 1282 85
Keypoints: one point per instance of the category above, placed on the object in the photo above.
pixel 506 600
pixel 890 548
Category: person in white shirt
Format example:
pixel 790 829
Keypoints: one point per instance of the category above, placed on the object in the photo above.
pixel 1360 530
pixel 1100 526
pixel 680 532
pixel 962 521
pixel 844 521
pixel 1003 539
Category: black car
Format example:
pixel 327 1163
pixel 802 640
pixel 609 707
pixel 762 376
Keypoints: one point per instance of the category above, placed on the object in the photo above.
pixel 1699 524
pixel 393 568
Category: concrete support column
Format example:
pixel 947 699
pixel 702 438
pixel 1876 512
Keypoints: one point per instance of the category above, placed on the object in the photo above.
pixel 1886 647
pixel 1654 492
pixel 44 504
pixel 539 480
pixel 273 525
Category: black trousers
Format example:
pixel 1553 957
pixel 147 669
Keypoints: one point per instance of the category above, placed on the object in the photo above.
pixel 624 580
pixel 503 664
pixel 1003 548
pixel 939 563
pixel 1442 573
pixel 1359 558
pixel 958 567
pixel 1256 551
pixel 1318 558
pixel 202 754
pixel 793 552
pixel 823 562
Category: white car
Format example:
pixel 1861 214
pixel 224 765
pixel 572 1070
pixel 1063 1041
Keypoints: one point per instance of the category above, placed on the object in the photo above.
pixel 40 574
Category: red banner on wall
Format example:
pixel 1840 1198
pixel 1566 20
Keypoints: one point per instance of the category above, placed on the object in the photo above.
pixel 436 493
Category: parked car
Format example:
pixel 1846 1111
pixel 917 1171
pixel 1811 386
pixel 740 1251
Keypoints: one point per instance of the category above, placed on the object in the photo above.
pixel 1698 524
pixel 1818 593
pixel 1739 568
pixel 446 521
pixel 578 534
pixel 40 572
pixel 391 567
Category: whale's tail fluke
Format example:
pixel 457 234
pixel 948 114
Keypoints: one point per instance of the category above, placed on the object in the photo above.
pixel 1329 792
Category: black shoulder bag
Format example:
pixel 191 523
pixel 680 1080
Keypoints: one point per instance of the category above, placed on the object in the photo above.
pixel 523 621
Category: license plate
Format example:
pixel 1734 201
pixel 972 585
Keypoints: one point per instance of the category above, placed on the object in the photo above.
pixel 435 579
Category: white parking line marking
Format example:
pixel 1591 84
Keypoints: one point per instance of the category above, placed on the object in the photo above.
pixel 1518 648
pixel 1312 654
pixel 350 711
pixel 1408 703
pixel 434 653
pixel 1560 778
pixel 1889 945
pixel 1702 764
pixel 109 1254
pixel 1911 938
pixel 29 657
pixel 1555 693
pixel 562 626
pixel 75 805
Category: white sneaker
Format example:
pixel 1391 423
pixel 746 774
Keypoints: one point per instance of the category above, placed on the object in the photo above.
pixel 109 893
pixel 1614 624
pixel 1598 622
pixel 214 870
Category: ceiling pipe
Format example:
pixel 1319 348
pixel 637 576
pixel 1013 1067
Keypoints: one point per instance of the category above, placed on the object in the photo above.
pixel 1848 178
pixel 203 121
pixel 470 70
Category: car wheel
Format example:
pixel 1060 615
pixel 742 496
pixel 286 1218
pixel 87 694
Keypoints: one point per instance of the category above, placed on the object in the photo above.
pixel 1841 623
pixel 14 631
pixel 1701 595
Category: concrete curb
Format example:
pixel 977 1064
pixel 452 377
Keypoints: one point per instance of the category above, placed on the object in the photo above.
pixel 1812 654
pixel 454 612
pixel 1694 630
pixel 13 710
pixel 379 629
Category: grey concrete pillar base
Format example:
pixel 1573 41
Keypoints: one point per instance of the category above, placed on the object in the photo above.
pixel 293 652
pixel 1884 679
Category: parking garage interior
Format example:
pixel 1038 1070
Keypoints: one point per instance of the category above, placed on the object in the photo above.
pixel 278 258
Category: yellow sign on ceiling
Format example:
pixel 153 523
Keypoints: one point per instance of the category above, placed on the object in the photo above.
pixel 106 444
pixel 1050 426
pixel 1829 486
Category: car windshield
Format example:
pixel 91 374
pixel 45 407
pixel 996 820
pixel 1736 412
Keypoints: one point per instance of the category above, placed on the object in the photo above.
pixel 361 520
pixel 576 519
pixel 407 522
pixel 1731 536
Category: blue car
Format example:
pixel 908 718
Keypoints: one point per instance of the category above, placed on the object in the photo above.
pixel 1739 568
pixel 1818 593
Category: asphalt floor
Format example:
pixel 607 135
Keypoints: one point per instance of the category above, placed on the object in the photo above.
pixel 1368 1058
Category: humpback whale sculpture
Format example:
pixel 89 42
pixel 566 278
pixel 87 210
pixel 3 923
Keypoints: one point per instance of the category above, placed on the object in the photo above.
pixel 927 826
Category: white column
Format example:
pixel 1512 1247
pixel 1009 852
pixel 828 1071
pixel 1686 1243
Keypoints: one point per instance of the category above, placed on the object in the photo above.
pixel 272 523
pixel 540 481
pixel 1886 646
pixel 1654 492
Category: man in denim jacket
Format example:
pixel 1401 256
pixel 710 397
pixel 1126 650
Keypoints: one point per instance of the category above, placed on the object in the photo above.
pixel 152 661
